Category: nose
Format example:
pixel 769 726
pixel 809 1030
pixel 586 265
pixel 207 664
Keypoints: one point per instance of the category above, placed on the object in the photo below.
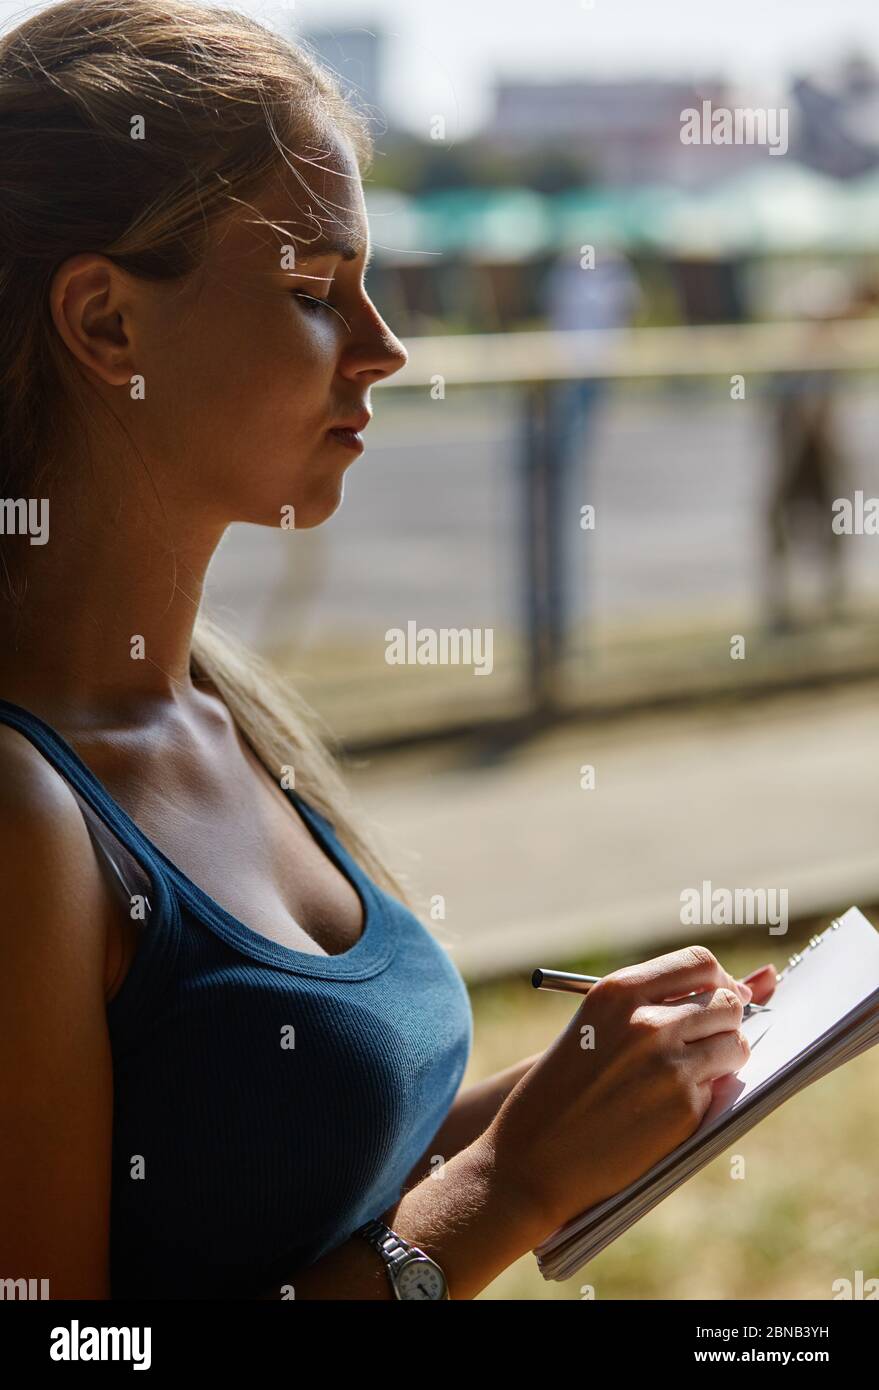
pixel 373 351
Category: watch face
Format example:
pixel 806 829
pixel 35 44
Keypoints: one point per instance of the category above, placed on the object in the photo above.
pixel 421 1278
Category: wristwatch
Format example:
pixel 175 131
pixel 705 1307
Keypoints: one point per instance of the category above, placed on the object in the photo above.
pixel 412 1273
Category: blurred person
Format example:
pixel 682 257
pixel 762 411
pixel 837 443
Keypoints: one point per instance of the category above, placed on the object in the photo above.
pixel 809 469
pixel 600 298
pixel 578 298
pixel 231 1049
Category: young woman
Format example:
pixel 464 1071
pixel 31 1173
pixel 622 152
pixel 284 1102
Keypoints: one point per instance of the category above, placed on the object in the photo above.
pixel 229 1043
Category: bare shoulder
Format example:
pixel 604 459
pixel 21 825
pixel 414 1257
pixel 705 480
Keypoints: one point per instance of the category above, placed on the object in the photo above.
pixel 56 1086
pixel 47 859
pixel 28 781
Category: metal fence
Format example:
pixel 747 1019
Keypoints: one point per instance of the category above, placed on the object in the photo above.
pixel 467 508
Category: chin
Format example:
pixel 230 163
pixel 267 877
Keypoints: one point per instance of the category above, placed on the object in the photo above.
pixel 308 512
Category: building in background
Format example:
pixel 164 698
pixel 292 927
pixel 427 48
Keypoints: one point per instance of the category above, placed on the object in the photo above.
pixel 355 55
pixel 624 131
pixel 838 119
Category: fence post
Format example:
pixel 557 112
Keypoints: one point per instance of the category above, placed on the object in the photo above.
pixel 543 571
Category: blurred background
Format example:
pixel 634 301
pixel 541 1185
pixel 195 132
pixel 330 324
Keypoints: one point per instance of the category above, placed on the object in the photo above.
pixel 642 371
pixel 684 339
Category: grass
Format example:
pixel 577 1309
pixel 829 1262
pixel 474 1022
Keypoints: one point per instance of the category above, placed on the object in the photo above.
pixel 802 1216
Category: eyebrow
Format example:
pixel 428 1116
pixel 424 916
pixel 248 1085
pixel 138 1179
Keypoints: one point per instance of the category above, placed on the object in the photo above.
pixel 333 246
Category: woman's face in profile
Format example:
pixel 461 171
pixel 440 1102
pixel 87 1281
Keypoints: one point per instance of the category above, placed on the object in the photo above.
pixel 245 372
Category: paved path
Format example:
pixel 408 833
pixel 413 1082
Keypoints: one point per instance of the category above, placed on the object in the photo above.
pixel 779 794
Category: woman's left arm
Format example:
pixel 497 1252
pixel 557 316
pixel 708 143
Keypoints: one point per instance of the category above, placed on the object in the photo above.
pixel 472 1111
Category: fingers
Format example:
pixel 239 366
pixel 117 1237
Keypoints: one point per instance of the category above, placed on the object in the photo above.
pixel 679 973
pixel 702 1015
pixel 722 1053
pixel 762 982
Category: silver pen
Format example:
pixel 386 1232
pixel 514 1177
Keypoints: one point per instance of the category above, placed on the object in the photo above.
pixel 566 982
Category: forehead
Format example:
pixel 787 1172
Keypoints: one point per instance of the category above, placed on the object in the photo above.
pixel 315 204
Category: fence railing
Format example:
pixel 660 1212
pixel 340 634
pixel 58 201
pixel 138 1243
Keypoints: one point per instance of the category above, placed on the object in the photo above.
pixel 540 362
pixel 615 354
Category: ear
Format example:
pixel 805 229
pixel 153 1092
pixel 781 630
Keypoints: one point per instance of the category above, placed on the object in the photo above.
pixel 91 305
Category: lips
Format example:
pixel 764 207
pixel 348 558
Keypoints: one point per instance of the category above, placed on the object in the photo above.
pixel 347 431
pixel 354 424
pixel 350 438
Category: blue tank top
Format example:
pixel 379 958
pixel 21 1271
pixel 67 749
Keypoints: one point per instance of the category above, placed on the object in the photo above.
pixel 267 1102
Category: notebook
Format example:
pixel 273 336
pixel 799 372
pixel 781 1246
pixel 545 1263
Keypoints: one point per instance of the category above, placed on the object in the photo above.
pixel 825 1010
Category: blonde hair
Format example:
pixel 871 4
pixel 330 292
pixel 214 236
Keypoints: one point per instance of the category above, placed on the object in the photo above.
pixel 227 103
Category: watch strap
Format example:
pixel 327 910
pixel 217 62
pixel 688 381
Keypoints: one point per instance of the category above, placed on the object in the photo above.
pixel 395 1251
pixel 392 1248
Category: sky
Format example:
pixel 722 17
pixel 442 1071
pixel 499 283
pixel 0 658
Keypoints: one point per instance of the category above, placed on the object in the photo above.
pixel 443 54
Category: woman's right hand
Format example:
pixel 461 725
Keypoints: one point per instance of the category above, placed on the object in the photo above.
pixel 628 1080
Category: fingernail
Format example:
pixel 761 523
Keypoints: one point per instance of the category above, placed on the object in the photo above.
pixel 754 974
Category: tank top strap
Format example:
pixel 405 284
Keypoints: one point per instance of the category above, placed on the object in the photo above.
pixel 56 750
pixel 128 875
pixel 106 822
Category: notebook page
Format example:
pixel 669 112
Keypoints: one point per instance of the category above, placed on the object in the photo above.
pixel 829 981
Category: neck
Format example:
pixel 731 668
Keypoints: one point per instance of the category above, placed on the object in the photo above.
pixel 102 625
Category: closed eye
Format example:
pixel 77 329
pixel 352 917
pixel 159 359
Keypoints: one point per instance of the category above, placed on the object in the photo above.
pixel 311 300
pixel 313 305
